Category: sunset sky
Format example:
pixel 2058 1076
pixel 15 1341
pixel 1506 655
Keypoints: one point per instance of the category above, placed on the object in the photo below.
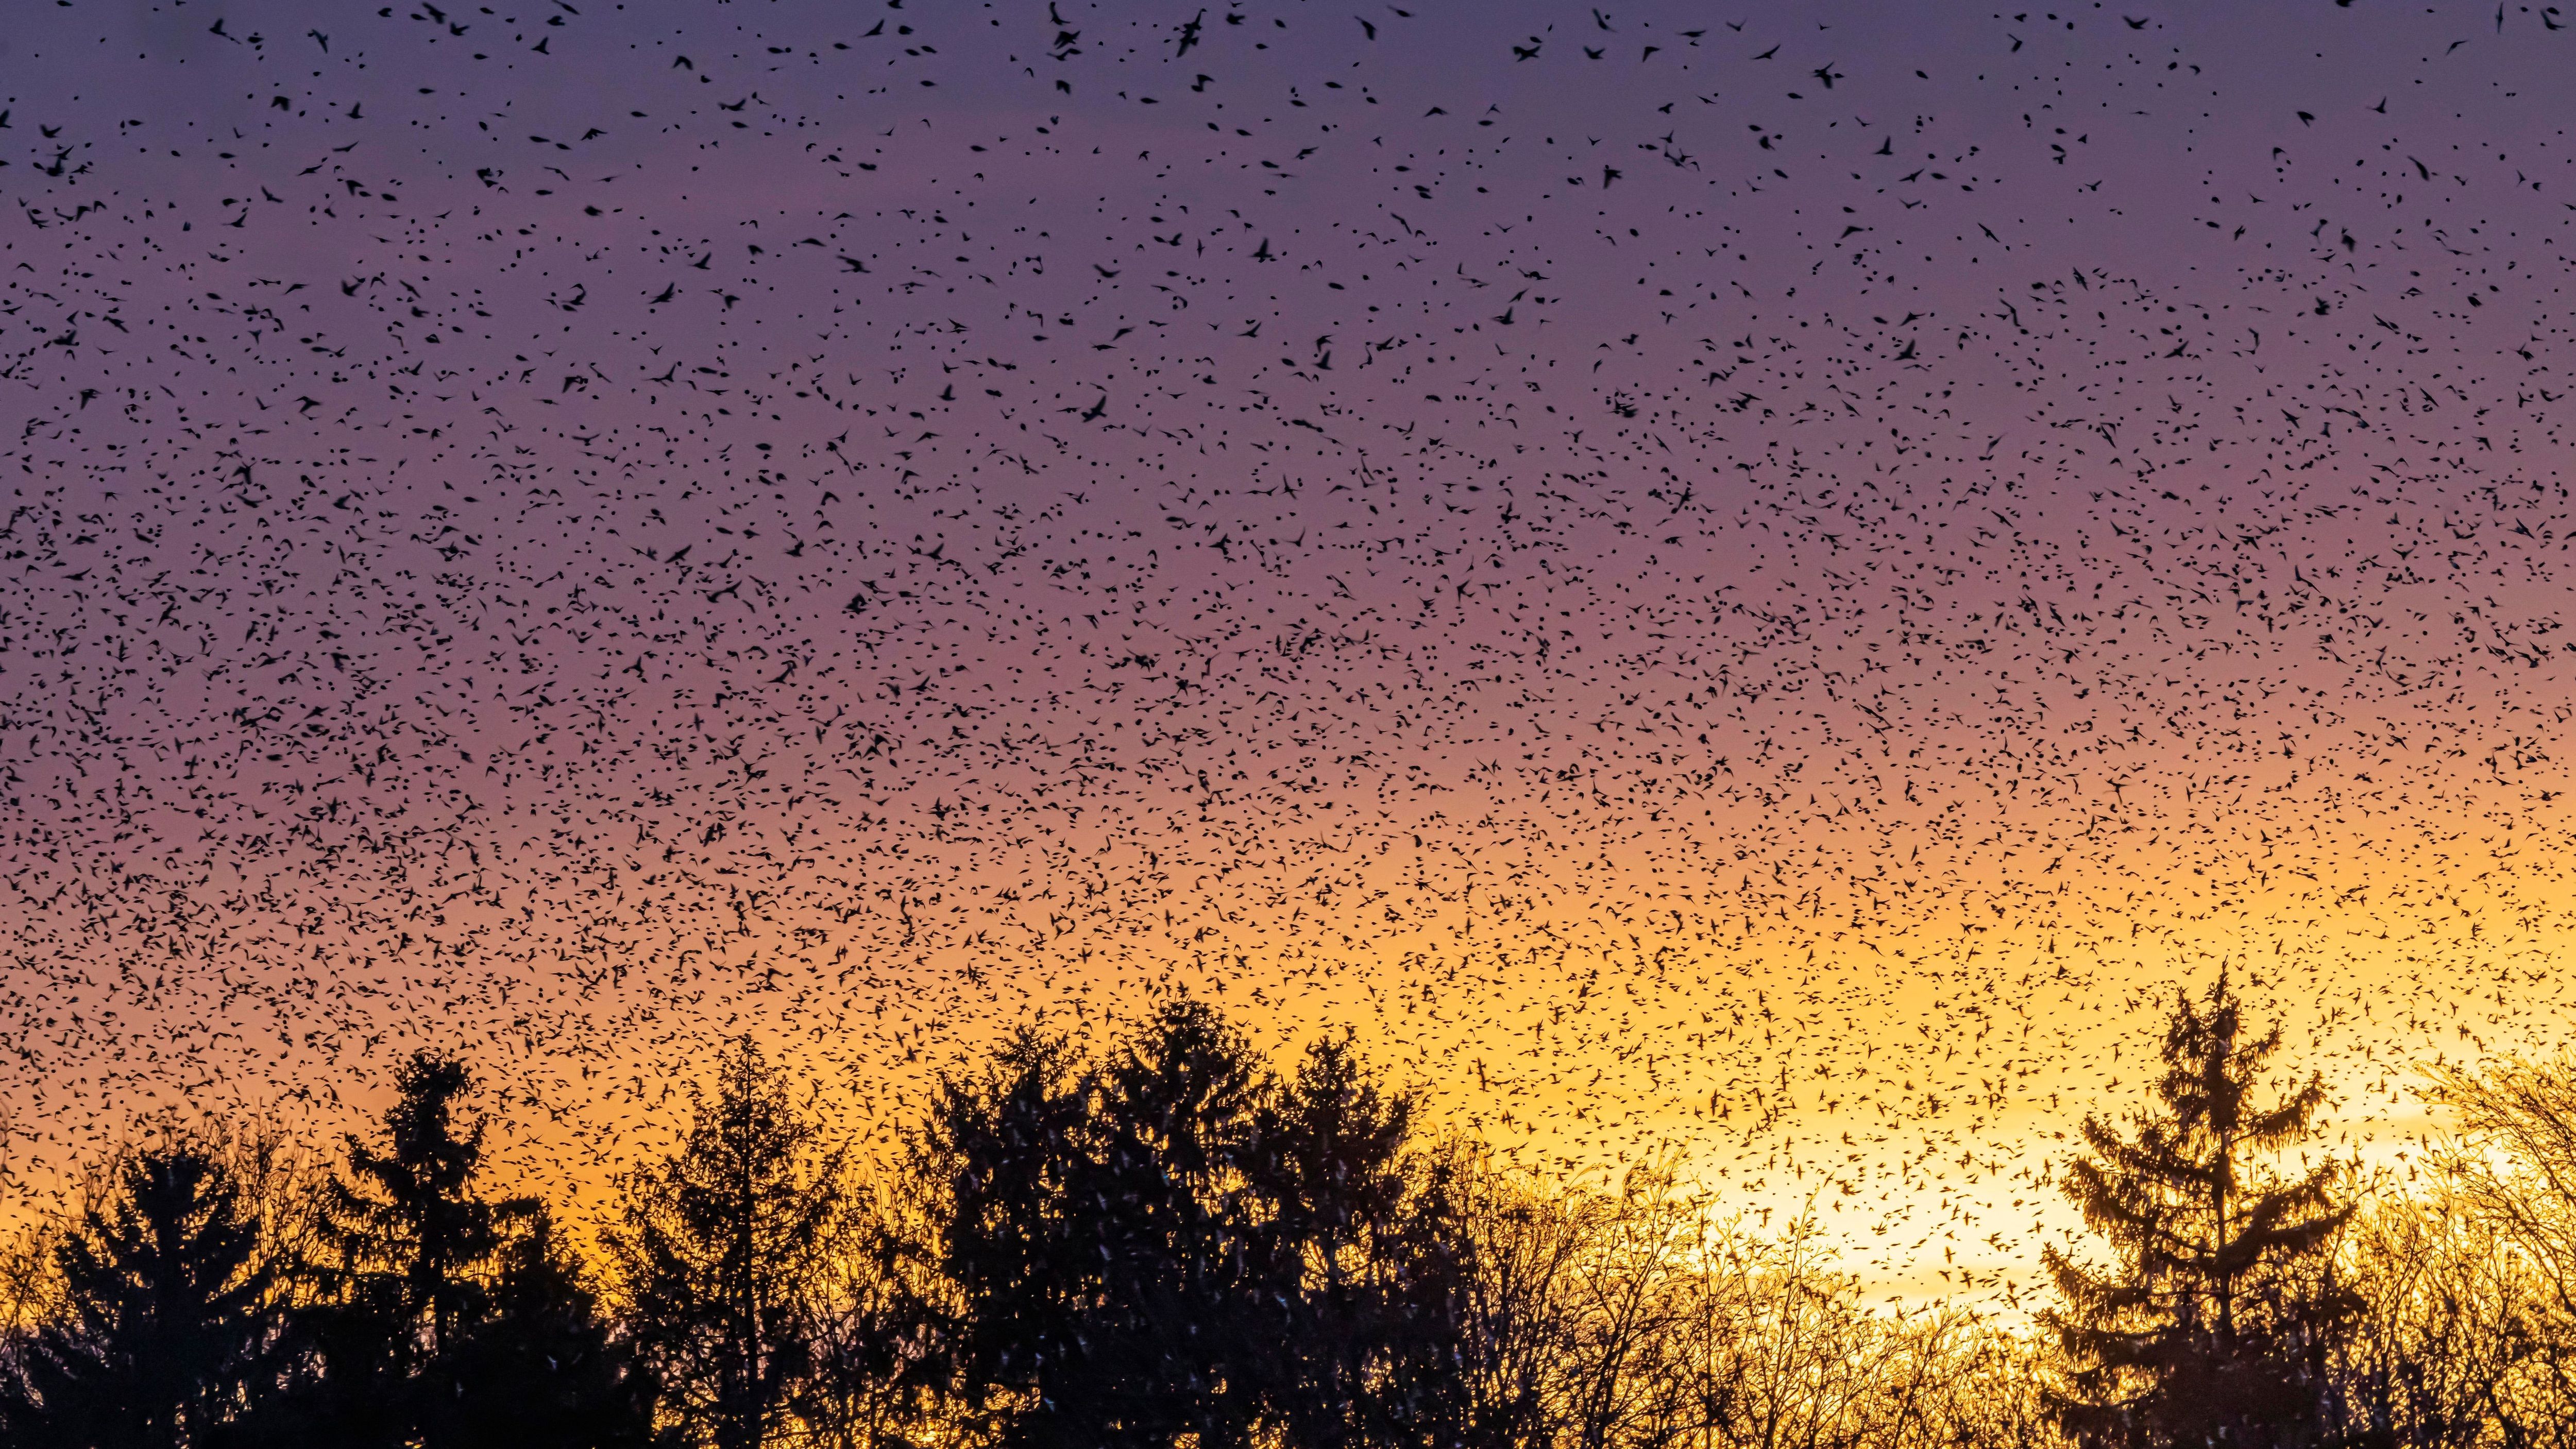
pixel 1776 589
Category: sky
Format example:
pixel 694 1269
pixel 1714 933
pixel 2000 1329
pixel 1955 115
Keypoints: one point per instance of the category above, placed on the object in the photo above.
pixel 1766 584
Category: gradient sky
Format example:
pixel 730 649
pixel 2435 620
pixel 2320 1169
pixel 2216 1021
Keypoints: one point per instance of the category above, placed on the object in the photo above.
pixel 1777 588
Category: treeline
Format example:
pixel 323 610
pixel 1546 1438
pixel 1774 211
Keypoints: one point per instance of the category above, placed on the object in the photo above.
pixel 1177 1245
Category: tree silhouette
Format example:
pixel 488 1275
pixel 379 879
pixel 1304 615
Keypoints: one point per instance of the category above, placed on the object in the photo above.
pixel 413 1250
pixel 1102 1234
pixel 872 1380
pixel 722 1255
pixel 1357 1256
pixel 2214 1326
pixel 1003 1153
pixel 1180 1330
pixel 1173 1245
pixel 537 1367
pixel 411 1234
pixel 168 1328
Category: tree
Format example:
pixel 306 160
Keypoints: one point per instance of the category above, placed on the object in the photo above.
pixel 167 1327
pixel 1517 1247
pixel 2215 1323
pixel 2472 1280
pixel 2452 1348
pixel 445 1317
pixel 1346 1245
pixel 1100 1234
pixel 2516 1167
pixel 873 1380
pixel 723 1253
pixel 1000 1157
pixel 1179 1329
pixel 412 1239
pixel 537 1367
pixel 1175 1245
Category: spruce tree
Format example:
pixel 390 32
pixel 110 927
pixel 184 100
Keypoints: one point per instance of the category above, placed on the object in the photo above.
pixel 168 1331
pixel 413 1240
pixel 1103 1235
pixel 538 1367
pixel 1175 1246
pixel 1001 1157
pixel 1181 1333
pixel 2214 1324
pixel 446 1318
pixel 407 1244
pixel 722 1255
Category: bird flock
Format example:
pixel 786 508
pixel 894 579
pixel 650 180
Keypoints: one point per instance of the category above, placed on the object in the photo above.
pixel 1768 580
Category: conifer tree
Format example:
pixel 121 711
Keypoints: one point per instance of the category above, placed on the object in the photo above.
pixel 538 1367
pixel 1002 1154
pixel 1181 1331
pixel 1344 1245
pixel 168 1330
pixel 1100 1234
pixel 446 1318
pixel 2214 1324
pixel 412 1237
pixel 1173 1245
pixel 408 1245
pixel 722 1255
